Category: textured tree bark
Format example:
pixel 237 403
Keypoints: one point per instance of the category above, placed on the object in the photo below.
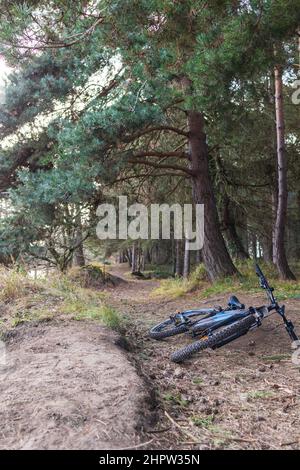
pixel 134 258
pixel 230 227
pixel 79 259
pixel 147 258
pixel 186 260
pixel 281 216
pixel 267 247
pixel 128 254
pixel 122 257
pixel 178 257
pixel 215 255
pixel 274 215
pixel 142 261
pixel 298 221
pixel 198 257
pixel 254 246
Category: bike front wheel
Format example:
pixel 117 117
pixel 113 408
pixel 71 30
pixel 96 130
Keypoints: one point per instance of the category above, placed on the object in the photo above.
pixel 215 340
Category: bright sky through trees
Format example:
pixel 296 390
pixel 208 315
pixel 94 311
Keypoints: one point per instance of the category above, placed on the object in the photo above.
pixel 85 95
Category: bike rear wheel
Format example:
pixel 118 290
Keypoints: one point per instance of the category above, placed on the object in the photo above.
pixel 169 328
pixel 217 339
pixel 166 329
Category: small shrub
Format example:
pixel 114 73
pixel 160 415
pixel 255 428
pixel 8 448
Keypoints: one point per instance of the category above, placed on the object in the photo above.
pixel 93 276
pixel 175 399
pixel 199 273
pixel 110 317
pixel 203 422
pixel 62 283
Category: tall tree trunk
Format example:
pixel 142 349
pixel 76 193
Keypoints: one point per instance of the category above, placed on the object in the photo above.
pixel 274 215
pixel 129 256
pixel 254 246
pixel 134 257
pixel 230 227
pixel 147 259
pixel 215 255
pixel 139 256
pixel 142 261
pixel 178 257
pixel 298 226
pixel 198 257
pixel 173 256
pixel 122 256
pixel 186 259
pixel 267 247
pixel 281 216
pixel 79 259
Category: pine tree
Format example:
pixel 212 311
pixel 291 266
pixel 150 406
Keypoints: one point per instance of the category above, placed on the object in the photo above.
pixel 183 73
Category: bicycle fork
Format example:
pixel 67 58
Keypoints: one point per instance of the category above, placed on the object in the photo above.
pixel 289 326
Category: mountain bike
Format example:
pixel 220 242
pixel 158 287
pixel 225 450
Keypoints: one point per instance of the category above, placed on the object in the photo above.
pixel 188 320
pixel 217 327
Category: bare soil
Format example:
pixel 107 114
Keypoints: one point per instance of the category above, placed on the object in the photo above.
pixel 67 385
pixel 243 395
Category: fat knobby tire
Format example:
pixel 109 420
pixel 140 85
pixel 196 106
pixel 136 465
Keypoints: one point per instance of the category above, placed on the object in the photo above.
pixel 236 329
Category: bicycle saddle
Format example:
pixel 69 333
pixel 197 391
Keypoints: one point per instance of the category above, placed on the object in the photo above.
pixel 234 303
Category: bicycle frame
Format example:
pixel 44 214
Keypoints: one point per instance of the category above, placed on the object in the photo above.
pixel 208 325
pixel 184 317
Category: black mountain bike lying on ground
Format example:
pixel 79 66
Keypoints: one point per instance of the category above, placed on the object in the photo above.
pixel 216 326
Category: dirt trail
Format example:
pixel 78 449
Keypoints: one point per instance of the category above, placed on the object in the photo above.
pixel 244 395
pixel 67 385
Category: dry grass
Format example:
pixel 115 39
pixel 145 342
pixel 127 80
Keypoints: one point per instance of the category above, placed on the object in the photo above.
pixel 177 287
pixel 23 299
pixel 14 284
pixel 246 281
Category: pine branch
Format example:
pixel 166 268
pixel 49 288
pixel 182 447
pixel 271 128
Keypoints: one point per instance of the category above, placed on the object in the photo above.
pixel 58 45
pixel 144 175
pixel 153 153
pixel 176 130
pixel 168 166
